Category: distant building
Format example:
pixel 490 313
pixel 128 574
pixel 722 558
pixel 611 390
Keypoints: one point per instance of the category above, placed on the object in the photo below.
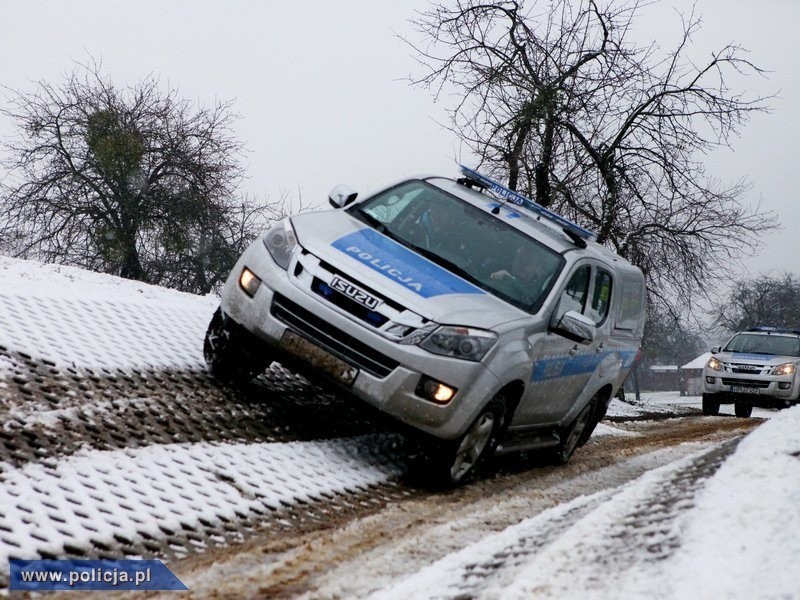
pixel 691 376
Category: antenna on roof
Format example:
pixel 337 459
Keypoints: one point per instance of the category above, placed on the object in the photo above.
pixel 573 230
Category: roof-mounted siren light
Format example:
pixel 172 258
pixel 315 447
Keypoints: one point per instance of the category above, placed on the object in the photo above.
pixel 772 329
pixel 574 231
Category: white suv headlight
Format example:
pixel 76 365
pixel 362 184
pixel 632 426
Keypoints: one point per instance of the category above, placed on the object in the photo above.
pixel 784 369
pixel 280 242
pixel 460 342
pixel 714 364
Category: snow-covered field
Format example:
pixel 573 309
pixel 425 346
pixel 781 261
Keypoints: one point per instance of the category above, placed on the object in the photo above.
pixel 736 536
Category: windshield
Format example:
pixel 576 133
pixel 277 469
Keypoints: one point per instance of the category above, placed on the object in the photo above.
pixel 474 244
pixel 780 345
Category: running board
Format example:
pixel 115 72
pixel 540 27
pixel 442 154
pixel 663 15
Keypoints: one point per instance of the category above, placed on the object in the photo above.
pixel 528 442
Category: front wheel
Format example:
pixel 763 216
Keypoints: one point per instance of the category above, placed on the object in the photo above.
pixel 743 409
pixel 230 352
pixel 710 406
pixel 456 461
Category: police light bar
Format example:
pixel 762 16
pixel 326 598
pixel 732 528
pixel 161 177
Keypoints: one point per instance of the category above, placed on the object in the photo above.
pixel 520 200
pixel 765 329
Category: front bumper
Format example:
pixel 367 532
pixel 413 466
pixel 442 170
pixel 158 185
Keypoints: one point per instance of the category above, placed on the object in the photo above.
pixel 388 372
pixel 760 390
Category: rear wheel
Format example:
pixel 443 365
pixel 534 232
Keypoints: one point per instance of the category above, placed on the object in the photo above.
pixel 743 409
pixel 456 461
pixel 230 352
pixel 576 433
pixel 710 406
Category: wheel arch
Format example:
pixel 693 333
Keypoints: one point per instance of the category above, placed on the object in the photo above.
pixel 512 394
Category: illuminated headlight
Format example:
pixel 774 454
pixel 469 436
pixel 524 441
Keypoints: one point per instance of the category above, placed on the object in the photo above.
pixel 280 242
pixel 714 364
pixel 249 282
pixel 784 369
pixel 460 342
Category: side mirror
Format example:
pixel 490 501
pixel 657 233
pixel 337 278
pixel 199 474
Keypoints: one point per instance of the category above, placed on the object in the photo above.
pixel 716 349
pixel 574 326
pixel 342 195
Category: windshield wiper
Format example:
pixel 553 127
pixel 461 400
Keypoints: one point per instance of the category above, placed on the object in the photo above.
pixel 443 262
pixel 370 220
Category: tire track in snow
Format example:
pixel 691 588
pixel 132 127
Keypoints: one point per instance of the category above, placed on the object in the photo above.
pixel 585 546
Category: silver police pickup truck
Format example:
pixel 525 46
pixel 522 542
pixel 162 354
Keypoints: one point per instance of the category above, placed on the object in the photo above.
pixel 756 367
pixel 459 307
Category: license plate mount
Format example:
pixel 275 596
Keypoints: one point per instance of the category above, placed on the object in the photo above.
pixel 738 389
pixel 318 357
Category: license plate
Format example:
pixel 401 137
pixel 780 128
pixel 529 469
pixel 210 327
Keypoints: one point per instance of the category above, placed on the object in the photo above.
pixel 319 358
pixel 744 390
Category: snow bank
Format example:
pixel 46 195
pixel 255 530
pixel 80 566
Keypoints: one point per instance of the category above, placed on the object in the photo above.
pixel 742 538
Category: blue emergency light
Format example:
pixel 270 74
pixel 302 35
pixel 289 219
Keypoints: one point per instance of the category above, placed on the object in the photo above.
pixel 520 200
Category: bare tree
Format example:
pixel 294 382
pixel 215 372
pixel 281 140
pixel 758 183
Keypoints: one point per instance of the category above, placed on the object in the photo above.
pixel 131 181
pixel 762 301
pixel 556 99
pixel 670 338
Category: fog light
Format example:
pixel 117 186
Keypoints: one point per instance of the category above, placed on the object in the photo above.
pixel 435 391
pixel 784 385
pixel 711 379
pixel 249 282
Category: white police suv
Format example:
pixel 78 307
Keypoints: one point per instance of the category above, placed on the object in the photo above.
pixel 757 367
pixel 459 307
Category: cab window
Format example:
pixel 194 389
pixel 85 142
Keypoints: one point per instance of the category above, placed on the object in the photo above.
pixel 601 297
pixel 574 295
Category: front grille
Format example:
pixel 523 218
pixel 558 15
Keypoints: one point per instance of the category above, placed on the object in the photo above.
pixel 745 382
pixel 359 311
pixel 331 338
pixel 747 369
pixel 388 301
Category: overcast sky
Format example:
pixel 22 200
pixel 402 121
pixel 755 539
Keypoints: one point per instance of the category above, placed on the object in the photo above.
pixel 321 92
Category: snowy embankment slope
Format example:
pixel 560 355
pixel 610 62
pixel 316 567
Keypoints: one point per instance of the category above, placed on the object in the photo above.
pixel 73 317
pixel 92 499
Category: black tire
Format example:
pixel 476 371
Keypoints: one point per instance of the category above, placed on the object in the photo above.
pixel 710 406
pixel 743 409
pixel 577 433
pixel 457 461
pixel 231 353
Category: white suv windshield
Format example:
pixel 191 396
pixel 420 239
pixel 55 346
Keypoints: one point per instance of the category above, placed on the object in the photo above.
pixel 754 343
pixel 469 241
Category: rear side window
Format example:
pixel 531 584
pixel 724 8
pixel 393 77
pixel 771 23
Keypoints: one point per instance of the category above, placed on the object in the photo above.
pixel 631 306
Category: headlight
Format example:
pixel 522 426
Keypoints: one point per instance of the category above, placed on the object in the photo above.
pixel 784 369
pixel 714 364
pixel 460 342
pixel 280 242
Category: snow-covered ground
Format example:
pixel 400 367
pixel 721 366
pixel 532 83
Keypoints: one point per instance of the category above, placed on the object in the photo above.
pixel 737 536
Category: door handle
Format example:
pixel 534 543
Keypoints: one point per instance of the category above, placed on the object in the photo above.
pixel 574 350
pixel 600 348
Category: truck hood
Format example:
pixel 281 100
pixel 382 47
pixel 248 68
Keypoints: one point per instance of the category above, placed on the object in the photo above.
pixel 375 260
pixel 745 358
